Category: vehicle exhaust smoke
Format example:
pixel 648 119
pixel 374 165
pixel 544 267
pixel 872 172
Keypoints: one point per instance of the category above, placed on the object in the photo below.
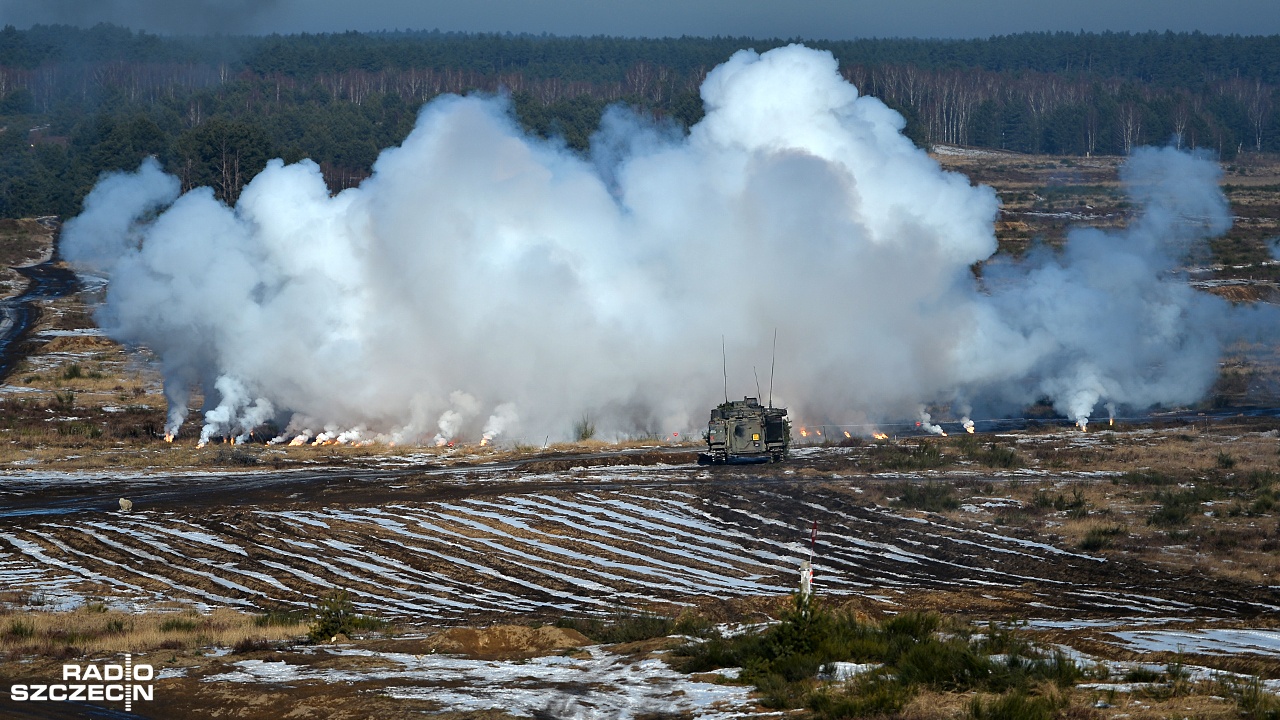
pixel 486 283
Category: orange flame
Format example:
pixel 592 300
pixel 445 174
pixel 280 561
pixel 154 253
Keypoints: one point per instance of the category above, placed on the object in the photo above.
pixel 969 429
pixel 168 437
pixel 804 432
pixel 298 440
pixel 846 434
pixel 484 441
pixel 880 436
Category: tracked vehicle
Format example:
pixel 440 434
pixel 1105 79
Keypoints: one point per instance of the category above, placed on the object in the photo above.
pixel 744 431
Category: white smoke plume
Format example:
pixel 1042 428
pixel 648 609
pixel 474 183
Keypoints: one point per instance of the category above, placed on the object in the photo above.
pixel 926 423
pixel 504 417
pixel 236 414
pixel 483 272
pixel 1109 318
pixel 463 408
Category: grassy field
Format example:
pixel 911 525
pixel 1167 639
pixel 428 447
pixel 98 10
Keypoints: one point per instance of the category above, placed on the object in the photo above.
pixel 819 659
pixel 96 631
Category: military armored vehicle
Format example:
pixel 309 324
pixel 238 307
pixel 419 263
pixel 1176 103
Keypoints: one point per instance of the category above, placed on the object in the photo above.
pixel 744 431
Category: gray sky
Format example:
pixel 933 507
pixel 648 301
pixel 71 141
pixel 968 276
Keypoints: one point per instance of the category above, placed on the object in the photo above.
pixel 825 19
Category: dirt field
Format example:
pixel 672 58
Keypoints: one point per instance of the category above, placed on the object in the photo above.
pixel 567 537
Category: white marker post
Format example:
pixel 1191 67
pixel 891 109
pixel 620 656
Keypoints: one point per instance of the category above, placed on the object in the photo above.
pixel 806 567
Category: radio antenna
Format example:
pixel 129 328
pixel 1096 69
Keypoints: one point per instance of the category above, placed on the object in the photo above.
pixel 724 365
pixel 772 366
pixel 757 377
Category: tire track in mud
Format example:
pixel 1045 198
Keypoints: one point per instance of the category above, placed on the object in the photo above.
pixel 611 537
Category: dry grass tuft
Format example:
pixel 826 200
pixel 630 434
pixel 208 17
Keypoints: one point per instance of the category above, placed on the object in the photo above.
pixel 94 630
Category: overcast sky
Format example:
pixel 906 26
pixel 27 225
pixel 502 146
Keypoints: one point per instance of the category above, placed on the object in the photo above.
pixel 825 19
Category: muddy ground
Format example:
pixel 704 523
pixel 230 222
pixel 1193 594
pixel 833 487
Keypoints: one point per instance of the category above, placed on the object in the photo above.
pixel 579 535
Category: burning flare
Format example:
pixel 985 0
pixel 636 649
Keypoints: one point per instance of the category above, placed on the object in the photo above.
pixel 880 435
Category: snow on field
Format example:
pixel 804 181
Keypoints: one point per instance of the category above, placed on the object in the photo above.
pixel 532 547
pixel 954 151
pixel 599 684
pixel 1209 641
pixel 554 548
pixel 74 332
pixel 1083 623
pixel 1115 670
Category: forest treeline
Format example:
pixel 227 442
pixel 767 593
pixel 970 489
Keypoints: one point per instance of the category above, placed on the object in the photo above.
pixel 77 102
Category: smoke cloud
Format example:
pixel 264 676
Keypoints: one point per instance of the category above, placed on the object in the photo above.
pixel 485 282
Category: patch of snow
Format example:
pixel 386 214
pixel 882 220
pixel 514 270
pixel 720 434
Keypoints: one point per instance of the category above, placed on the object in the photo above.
pixel 600 685
pixel 848 670
pixel 1209 641
pixel 956 151
pixel 74 332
